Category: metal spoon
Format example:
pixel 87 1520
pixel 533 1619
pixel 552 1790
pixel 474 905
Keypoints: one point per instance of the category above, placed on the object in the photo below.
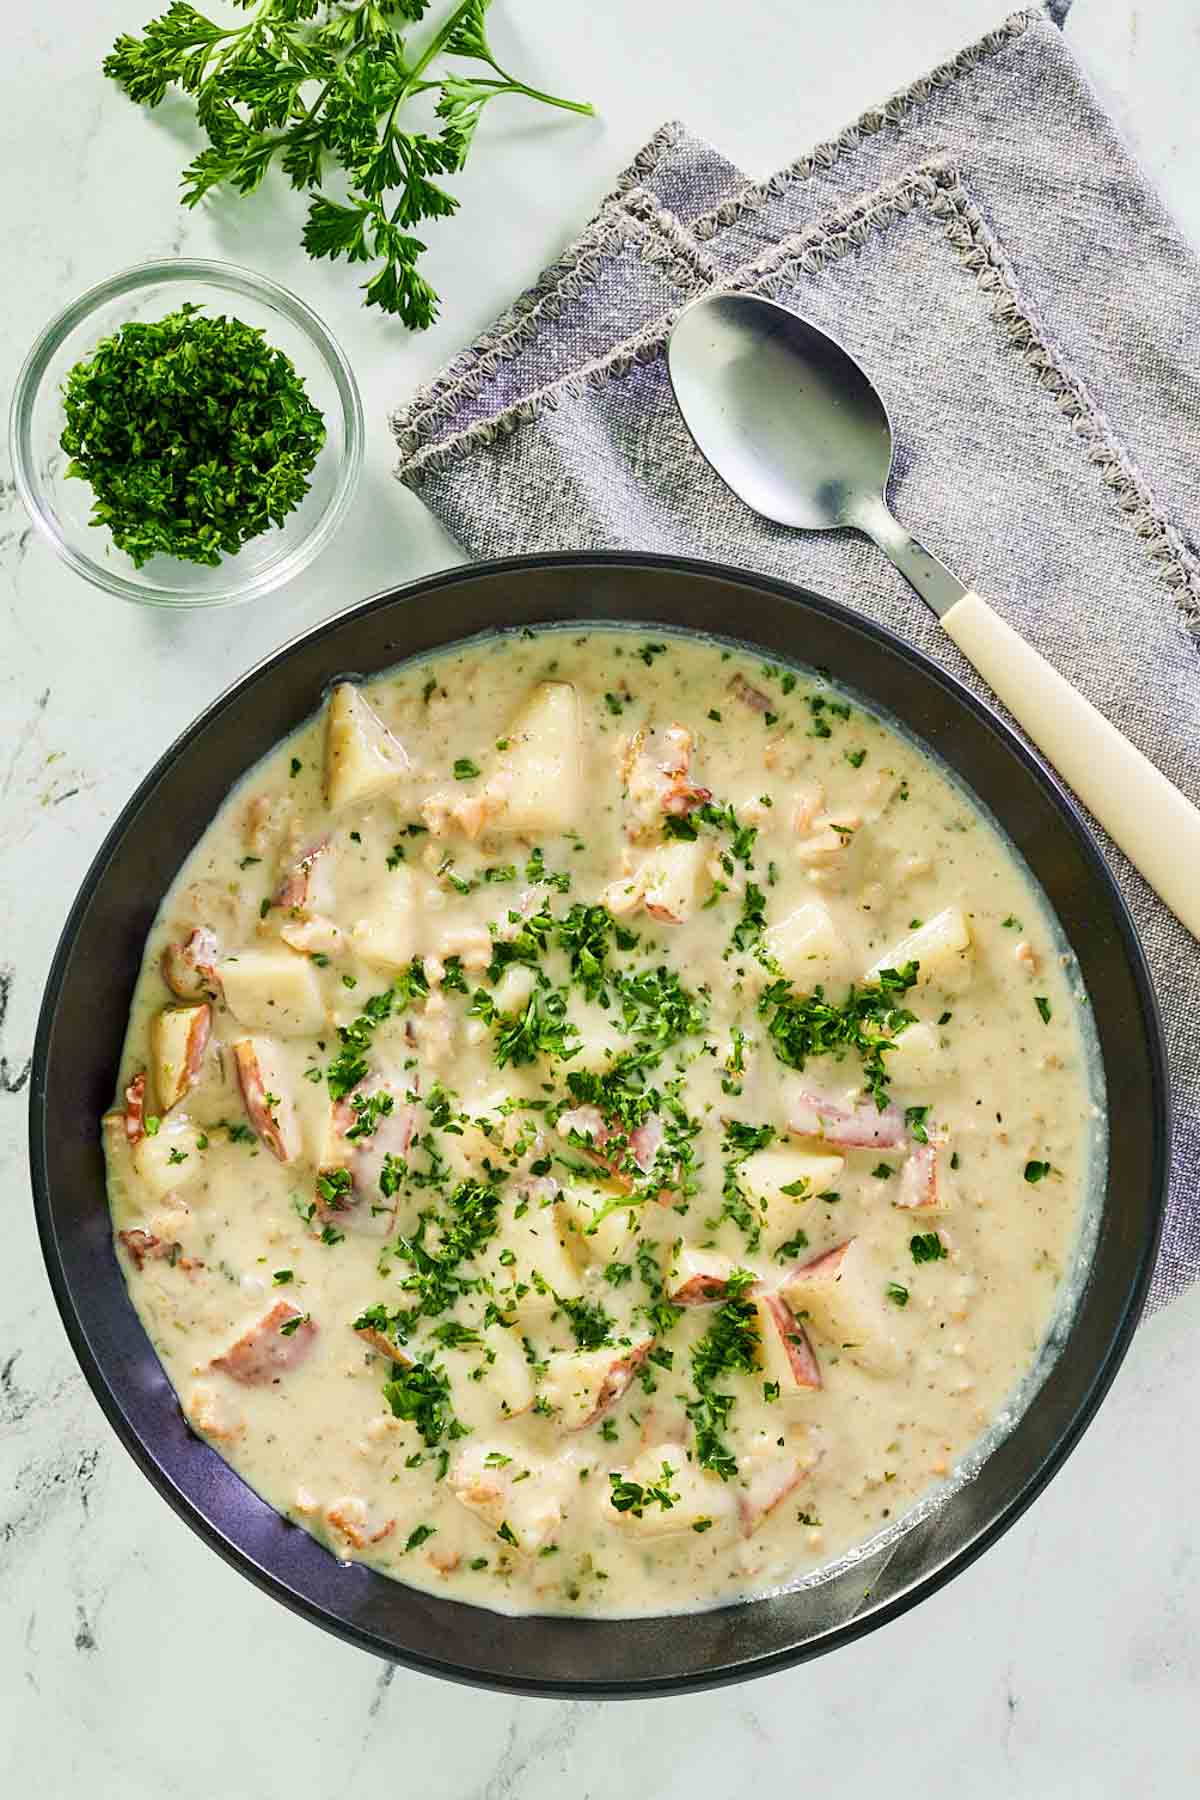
pixel 791 423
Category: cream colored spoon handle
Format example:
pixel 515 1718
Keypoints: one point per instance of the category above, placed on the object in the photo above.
pixel 1156 827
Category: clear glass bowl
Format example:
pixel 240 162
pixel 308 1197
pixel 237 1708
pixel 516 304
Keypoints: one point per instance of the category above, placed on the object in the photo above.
pixel 60 508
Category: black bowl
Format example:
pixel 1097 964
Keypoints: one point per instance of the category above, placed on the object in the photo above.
pixel 83 1022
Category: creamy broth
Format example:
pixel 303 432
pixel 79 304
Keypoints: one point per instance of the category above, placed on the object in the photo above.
pixel 603 1127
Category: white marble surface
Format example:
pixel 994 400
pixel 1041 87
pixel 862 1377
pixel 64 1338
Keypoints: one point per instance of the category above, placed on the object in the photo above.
pixel 1067 1662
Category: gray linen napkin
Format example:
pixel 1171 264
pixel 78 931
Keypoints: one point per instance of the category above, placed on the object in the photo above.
pixel 987 247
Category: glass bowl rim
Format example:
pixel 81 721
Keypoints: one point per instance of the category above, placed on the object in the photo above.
pixel 236 280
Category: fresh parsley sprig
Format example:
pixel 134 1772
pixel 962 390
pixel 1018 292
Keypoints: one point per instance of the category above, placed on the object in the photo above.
pixel 322 88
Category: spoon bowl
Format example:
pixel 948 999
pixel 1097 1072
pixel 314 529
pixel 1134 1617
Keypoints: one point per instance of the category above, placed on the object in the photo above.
pixel 782 412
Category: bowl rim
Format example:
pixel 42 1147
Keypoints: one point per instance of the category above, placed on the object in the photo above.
pixel 1119 1335
pixel 235 278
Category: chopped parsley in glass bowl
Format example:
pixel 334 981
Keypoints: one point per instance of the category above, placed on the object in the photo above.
pixel 286 404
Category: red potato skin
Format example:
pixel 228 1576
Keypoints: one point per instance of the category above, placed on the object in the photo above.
pixel 801 1356
pixel 853 1127
pixel 263 1354
pixel 254 1099
pixel 752 1516
pixel 188 969
pixel 919 1188
pixel 821 1266
pixel 700 1290
pixel 198 1035
pixel 135 1108
pixel 379 1341
pixel 617 1381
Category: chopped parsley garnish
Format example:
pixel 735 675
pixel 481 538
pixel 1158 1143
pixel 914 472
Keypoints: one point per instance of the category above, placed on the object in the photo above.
pixel 896 1294
pixel 294 1324
pixel 590 1325
pixel 927 1247
pixel 730 1345
pixel 419 1535
pixel 421 1395
pixel 883 1171
pixel 1044 1007
pixel 794 1245
pixel 1036 1171
pixel 194 434
pixel 282 1277
pixel 867 1021
pixel 634 1497
pixel 914 1118
pixel 465 769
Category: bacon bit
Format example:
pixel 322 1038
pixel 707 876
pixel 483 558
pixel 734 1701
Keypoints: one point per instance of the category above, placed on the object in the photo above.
pixel 444 1561
pixel 617 1380
pixel 752 697
pixel 683 798
pixel 188 969
pixel 293 890
pixel 135 1109
pixel 802 1358
pixel 143 1246
pixel 266 1351
pixel 856 1127
pixel 349 1516
pixel 1027 957
pixel 654 768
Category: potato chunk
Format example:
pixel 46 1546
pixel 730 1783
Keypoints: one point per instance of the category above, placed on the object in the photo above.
pixel 539 784
pixel 699 1501
pixel 178 1040
pixel 266 1096
pixel 274 989
pixel 534 1251
pixel 939 947
pixel 582 1385
pixel 840 1296
pixel 525 1512
pixel 808 946
pixel 385 934
pixel 669 878
pixel 168 1158
pixel 362 758
pixel 765 1175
